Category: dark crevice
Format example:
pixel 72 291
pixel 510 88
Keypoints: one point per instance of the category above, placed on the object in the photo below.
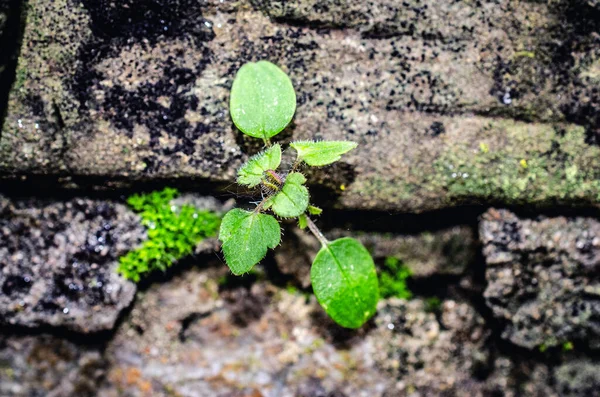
pixel 97 187
pixel 96 339
pixel 208 260
pixel 190 319
pixel 11 37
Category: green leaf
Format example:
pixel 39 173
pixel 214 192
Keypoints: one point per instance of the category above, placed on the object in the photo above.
pixel 246 236
pixel 292 200
pixel 345 282
pixel 322 152
pixel 252 172
pixel 262 100
pixel 314 210
pixel 302 221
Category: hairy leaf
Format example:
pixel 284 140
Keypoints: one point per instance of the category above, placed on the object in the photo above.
pixel 262 100
pixel 252 172
pixel 246 236
pixel 292 200
pixel 345 282
pixel 322 152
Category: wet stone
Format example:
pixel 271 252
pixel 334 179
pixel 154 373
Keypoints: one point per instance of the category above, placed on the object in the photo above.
pixel 543 278
pixel 58 262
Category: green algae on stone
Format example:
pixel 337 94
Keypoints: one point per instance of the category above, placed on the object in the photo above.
pixel 534 163
pixel 552 165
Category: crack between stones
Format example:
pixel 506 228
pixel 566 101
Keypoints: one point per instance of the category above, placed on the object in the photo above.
pixel 10 47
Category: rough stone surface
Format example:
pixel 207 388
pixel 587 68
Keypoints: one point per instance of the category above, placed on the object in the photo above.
pixel 58 262
pixel 192 337
pixel 449 356
pixel 48 366
pixel 450 102
pixel 578 378
pixel 196 336
pixel 543 277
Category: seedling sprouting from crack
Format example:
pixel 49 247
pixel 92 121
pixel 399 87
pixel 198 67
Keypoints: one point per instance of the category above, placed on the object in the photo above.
pixel 343 274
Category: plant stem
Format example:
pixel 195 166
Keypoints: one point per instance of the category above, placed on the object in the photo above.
pixel 258 208
pixel 315 230
pixel 296 165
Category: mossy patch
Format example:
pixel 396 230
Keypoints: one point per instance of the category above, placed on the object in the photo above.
pixel 392 279
pixel 173 232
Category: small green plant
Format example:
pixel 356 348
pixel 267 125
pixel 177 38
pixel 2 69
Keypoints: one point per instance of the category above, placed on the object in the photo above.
pixel 567 346
pixel 392 279
pixel 433 304
pixel 343 274
pixel 173 232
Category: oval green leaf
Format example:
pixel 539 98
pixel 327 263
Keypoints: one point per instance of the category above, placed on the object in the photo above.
pixel 263 100
pixel 323 152
pixel 292 200
pixel 246 236
pixel 345 283
pixel 251 173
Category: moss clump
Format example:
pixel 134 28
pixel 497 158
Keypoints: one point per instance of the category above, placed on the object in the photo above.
pixel 433 304
pixel 555 167
pixel 392 279
pixel 173 232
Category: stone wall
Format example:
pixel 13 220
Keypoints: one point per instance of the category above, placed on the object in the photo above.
pixel 458 107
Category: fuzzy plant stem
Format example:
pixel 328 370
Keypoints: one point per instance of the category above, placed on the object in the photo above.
pixel 315 230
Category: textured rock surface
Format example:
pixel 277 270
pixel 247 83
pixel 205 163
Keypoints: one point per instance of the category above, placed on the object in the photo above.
pixel 191 337
pixel 48 366
pixel 452 356
pixel 578 378
pixel 196 336
pixel 543 277
pixel 58 262
pixel 140 92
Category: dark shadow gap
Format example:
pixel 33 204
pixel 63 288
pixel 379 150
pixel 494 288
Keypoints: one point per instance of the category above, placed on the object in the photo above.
pixel 11 37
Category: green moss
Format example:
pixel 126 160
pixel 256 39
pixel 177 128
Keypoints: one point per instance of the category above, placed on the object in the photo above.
pixel 392 279
pixel 433 304
pixel 567 346
pixel 172 233
pixel 551 166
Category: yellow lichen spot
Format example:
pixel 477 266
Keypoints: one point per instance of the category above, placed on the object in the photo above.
pixel 342 187
pixel 527 54
pixel 484 147
pixel 523 163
